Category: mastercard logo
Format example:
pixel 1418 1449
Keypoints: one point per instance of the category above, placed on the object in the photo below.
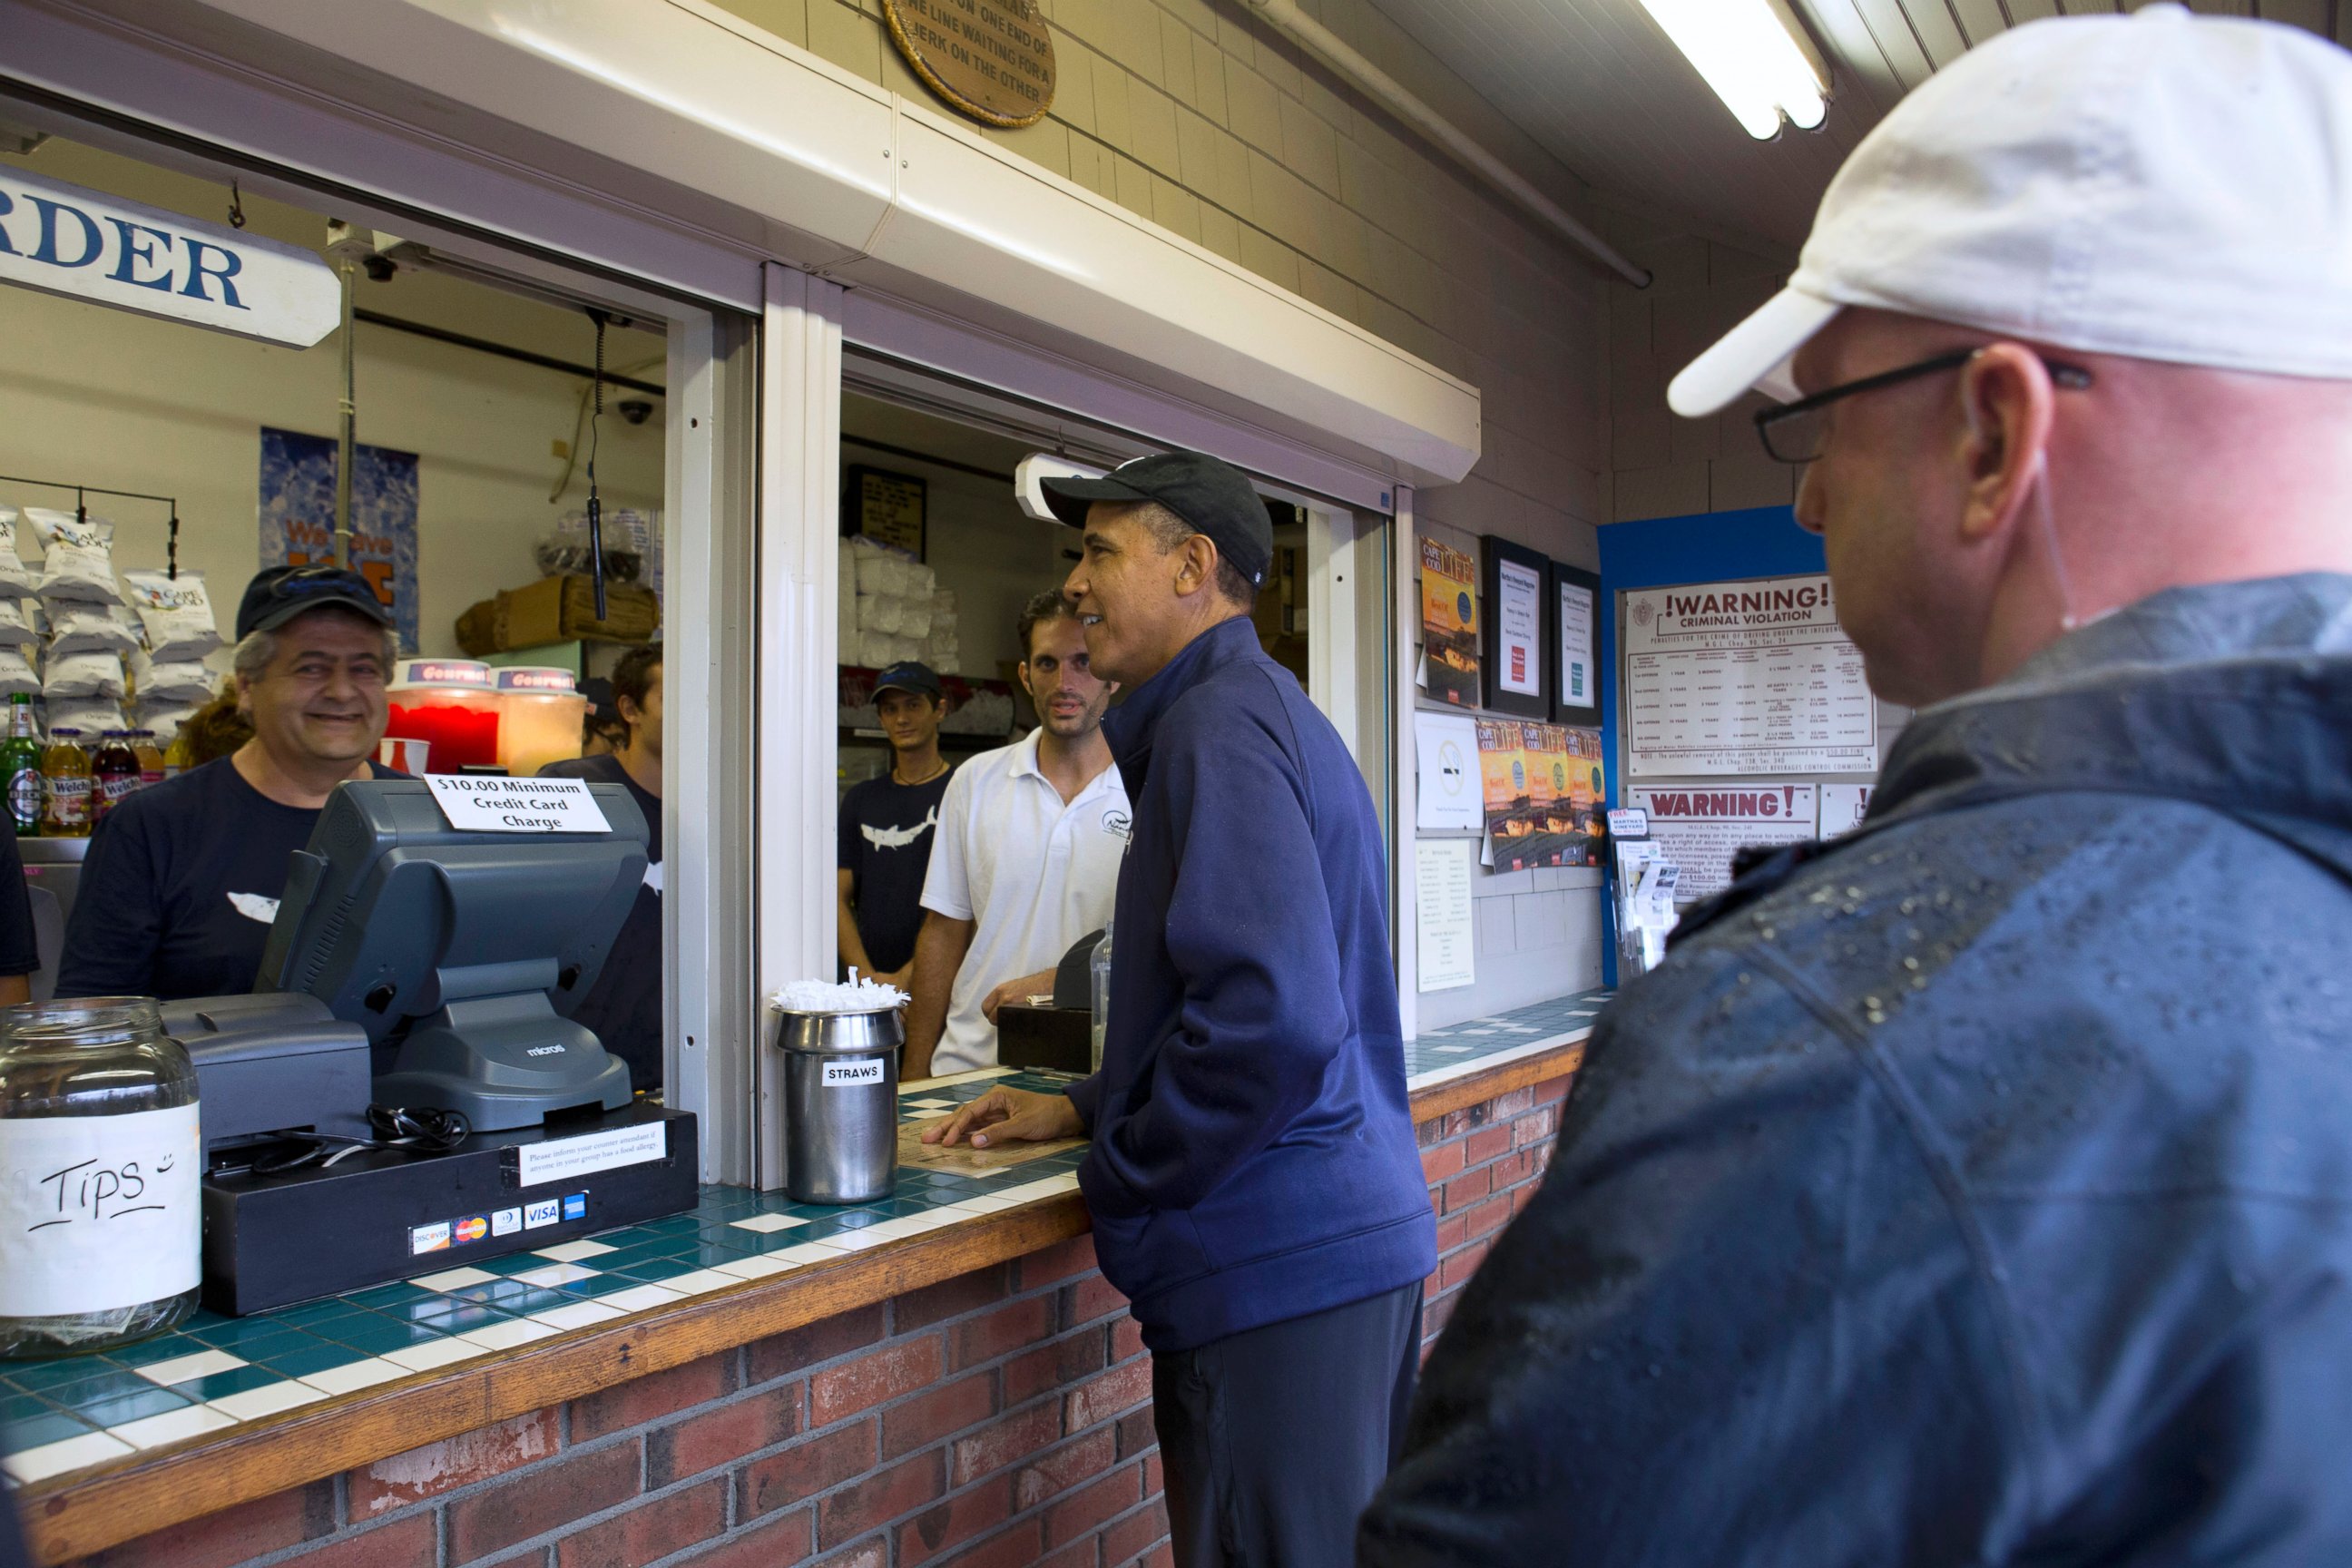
pixel 473 1229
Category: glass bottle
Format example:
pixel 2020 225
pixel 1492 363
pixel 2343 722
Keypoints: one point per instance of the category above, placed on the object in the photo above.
pixel 98 1111
pixel 114 773
pixel 65 787
pixel 175 755
pixel 20 765
pixel 150 758
pixel 1099 971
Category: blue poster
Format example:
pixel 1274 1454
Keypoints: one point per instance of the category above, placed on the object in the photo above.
pixel 298 515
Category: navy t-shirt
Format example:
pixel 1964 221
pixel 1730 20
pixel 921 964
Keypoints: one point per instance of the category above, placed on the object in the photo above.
pixel 886 832
pixel 625 1006
pixel 19 954
pixel 181 885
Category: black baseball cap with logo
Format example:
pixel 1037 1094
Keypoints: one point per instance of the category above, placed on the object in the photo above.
pixel 278 594
pixel 1213 498
pixel 909 675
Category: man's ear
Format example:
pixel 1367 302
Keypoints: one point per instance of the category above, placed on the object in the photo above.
pixel 1198 566
pixel 2007 402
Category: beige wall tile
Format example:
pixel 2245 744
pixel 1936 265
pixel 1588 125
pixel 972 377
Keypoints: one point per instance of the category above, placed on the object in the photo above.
pixel 1326 288
pixel 1197 14
pixel 1134 38
pixel 1311 148
pixel 1658 492
pixel 1208 78
pixel 1269 257
pixel 1176 62
pixel 1254 110
pixel 1151 119
pixel 1277 60
pixel 1196 152
pixel 1090 164
pixel 1176 209
pixel 1750 477
pixel 1111 123
pixel 1074 84
pixel 1132 187
pixel 840 34
pixel 1281 202
pixel 1087 19
pixel 1232 189
pixel 1047 143
pixel 1220 232
pixel 788 20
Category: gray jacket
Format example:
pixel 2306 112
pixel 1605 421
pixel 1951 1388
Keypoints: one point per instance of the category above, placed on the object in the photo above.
pixel 1977 1189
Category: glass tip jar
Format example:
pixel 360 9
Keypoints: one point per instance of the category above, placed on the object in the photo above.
pixel 100 1156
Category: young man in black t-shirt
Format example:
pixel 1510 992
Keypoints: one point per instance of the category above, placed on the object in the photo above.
pixel 182 881
pixel 624 1008
pixel 887 826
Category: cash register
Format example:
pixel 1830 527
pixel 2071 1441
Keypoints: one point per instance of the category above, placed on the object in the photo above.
pixel 406 1091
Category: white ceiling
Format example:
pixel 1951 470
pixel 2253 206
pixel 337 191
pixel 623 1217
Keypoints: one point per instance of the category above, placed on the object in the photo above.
pixel 1599 87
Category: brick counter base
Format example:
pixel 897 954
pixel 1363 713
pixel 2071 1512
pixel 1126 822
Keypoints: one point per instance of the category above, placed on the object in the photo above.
pixel 998 1420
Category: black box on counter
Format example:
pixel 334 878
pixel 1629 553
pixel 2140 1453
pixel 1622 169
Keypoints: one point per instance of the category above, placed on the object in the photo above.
pixel 379 1215
pixel 1061 1038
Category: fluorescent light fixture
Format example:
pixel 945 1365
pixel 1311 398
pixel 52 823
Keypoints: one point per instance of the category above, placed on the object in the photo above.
pixel 1750 53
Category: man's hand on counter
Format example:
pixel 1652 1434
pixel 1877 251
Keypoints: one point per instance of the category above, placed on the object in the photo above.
pixel 1013 993
pixel 1009 1116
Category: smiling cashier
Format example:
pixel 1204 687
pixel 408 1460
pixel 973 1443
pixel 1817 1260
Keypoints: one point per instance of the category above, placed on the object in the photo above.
pixel 183 879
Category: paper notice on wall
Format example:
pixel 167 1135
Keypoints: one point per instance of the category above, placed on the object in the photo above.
pixel 1449 624
pixel 1576 663
pixel 1518 629
pixel 1702 827
pixel 1746 678
pixel 1445 753
pixel 1444 916
pixel 1844 807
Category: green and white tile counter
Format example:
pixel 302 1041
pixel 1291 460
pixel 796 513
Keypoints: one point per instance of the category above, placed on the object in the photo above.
pixel 215 1375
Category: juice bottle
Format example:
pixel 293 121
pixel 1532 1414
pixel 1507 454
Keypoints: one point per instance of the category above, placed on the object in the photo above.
pixel 65 787
pixel 20 765
pixel 175 755
pixel 114 772
pixel 150 758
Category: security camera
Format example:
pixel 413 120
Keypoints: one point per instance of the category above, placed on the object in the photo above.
pixel 635 410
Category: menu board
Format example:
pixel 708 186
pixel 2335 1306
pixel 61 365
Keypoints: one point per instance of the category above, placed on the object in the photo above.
pixel 1702 827
pixel 1746 679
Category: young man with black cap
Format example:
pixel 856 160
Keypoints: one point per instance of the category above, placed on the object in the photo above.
pixel 183 879
pixel 1254 1179
pixel 887 827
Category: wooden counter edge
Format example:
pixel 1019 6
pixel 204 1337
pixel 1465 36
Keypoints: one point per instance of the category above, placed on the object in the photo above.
pixel 88 1510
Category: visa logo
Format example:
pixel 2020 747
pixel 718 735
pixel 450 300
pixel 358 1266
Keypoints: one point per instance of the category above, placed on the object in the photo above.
pixel 547 1211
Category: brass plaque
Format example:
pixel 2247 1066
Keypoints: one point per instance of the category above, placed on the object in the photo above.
pixel 992 59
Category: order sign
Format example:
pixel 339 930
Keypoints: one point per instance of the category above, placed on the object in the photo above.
pixel 489 804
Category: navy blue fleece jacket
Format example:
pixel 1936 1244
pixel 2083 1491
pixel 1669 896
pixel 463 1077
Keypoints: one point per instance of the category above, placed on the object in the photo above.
pixel 1254 1157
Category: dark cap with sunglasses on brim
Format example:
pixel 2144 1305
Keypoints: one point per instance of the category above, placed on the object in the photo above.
pixel 909 676
pixel 1214 499
pixel 278 594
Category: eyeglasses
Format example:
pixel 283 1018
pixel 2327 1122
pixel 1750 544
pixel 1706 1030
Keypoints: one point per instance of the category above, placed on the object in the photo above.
pixel 1794 432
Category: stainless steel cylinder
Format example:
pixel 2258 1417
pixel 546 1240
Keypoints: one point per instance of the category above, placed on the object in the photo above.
pixel 841 1105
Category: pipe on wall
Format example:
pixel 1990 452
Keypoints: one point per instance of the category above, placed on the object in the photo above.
pixel 1335 53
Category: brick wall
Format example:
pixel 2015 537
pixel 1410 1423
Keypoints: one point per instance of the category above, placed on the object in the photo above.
pixel 998 1420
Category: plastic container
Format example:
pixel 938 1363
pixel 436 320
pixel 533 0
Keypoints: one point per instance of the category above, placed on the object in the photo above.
pixel 539 714
pixel 101 1225
pixel 450 704
pixel 841 1105
pixel 1098 971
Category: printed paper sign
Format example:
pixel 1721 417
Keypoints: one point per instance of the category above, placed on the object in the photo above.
pixel 1449 624
pixel 1844 807
pixel 97 1212
pixel 1576 662
pixel 480 803
pixel 1702 826
pixel 851 1075
pixel 1446 749
pixel 553 1159
pixel 1518 629
pixel 1444 920
pixel 1744 678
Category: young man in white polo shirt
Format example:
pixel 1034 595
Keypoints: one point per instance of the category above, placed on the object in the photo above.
pixel 1026 859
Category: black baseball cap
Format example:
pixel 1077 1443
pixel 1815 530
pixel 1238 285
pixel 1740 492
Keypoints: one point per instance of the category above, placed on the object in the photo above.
pixel 278 594
pixel 909 676
pixel 1212 497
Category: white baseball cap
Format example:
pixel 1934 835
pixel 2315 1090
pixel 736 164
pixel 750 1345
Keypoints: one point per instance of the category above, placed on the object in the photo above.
pixel 2161 186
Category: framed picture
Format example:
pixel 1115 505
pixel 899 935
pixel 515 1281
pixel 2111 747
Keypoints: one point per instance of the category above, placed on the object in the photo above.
pixel 886 508
pixel 1575 647
pixel 1515 647
pixel 1449 624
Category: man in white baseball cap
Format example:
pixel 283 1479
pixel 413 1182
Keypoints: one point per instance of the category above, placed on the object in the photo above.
pixel 1977 1188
